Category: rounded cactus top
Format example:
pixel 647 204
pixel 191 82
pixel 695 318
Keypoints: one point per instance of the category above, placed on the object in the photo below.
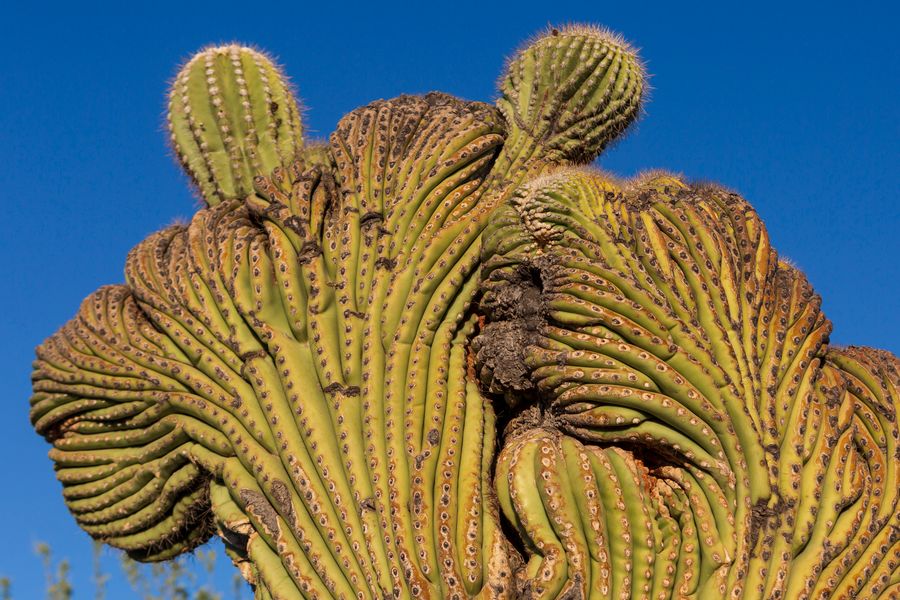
pixel 574 90
pixel 564 97
pixel 232 116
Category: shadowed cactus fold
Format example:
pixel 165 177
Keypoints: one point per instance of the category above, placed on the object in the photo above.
pixel 436 358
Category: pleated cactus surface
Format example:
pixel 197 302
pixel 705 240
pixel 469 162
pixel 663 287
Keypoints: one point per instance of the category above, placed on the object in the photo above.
pixel 440 357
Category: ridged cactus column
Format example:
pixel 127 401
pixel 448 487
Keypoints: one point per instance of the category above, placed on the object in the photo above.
pixel 438 357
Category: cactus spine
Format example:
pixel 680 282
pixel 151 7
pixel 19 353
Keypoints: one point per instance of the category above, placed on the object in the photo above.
pixel 436 358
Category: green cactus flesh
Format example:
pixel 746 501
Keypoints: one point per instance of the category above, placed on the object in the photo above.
pixel 437 358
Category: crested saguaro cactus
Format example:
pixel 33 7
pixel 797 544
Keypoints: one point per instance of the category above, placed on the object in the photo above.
pixel 439 358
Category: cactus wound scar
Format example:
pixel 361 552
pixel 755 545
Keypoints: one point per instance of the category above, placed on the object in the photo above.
pixel 440 357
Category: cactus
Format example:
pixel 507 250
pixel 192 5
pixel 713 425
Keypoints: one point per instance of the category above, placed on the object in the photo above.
pixel 440 357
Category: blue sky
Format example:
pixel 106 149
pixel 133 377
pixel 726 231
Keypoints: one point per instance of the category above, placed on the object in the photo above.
pixel 794 106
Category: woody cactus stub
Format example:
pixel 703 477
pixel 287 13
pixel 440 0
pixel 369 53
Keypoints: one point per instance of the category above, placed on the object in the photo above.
pixel 437 358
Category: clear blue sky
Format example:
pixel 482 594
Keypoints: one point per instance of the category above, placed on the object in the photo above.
pixel 795 107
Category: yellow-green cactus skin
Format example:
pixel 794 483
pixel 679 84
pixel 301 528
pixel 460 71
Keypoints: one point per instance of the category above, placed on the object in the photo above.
pixel 439 357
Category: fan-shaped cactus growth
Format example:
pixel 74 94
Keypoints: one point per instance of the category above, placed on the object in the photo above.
pixel 435 358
